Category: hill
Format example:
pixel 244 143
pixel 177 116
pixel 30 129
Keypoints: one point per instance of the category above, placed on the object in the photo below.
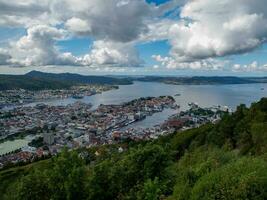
pixel 11 82
pixel 35 80
pixel 202 80
pixel 77 78
pixel 226 160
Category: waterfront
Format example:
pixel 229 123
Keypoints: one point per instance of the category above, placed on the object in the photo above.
pixel 204 95
pixel 76 125
pixel 152 120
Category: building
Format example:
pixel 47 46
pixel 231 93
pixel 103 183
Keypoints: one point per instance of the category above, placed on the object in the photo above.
pixel 48 138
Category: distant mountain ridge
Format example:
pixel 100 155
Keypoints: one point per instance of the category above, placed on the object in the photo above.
pixel 77 78
pixel 11 82
pixel 203 80
pixel 36 80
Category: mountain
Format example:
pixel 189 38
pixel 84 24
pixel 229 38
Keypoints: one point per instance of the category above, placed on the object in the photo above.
pixel 202 80
pixel 77 78
pixel 11 82
pixel 223 161
pixel 36 80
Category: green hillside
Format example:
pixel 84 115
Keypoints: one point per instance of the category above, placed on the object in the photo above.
pixel 35 80
pixel 203 80
pixel 77 78
pixel 223 161
pixel 11 82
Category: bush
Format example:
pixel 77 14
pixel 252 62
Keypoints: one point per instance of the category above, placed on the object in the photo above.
pixel 244 179
pixel 196 164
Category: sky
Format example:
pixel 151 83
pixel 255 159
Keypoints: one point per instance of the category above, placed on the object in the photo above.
pixel 134 37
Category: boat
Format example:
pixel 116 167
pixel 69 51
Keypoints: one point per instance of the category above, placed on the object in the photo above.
pixel 77 96
pixel 262 88
pixel 177 95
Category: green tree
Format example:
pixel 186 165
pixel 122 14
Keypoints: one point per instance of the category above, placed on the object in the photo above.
pixel 151 190
pixel 244 179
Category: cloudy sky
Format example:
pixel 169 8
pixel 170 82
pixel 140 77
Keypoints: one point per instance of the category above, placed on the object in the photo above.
pixel 135 37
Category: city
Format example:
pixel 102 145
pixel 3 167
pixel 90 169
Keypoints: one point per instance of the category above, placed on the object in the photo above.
pixel 11 98
pixel 77 125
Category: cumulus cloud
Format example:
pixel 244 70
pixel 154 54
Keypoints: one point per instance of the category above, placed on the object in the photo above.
pixel 79 26
pixel 112 54
pixel 115 20
pixel 252 67
pixel 157 30
pixel 204 64
pixel 115 25
pixel 205 30
pixel 38 48
pixel 25 13
pixel 210 29
pixel 4 57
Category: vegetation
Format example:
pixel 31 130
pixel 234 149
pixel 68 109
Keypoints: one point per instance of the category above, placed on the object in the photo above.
pixel 36 80
pixel 77 78
pixel 11 82
pixel 227 160
pixel 203 80
pixel 39 81
pixel 38 142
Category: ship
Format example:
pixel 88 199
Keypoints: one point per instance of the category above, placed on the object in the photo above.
pixel 77 96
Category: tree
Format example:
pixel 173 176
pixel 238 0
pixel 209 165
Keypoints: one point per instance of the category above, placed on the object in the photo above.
pixel 64 180
pixel 244 179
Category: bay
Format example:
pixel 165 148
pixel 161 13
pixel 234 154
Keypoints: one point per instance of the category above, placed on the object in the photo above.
pixel 204 95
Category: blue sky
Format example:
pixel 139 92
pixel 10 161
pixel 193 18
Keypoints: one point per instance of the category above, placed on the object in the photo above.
pixel 153 37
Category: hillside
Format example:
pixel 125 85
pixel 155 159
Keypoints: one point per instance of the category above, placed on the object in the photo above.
pixel 35 80
pixel 203 80
pixel 11 82
pixel 77 78
pixel 223 161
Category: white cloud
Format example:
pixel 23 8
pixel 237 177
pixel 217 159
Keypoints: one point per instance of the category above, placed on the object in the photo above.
pixel 157 30
pixel 4 57
pixel 115 25
pixel 78 26
pixel 115 20
pixel 112 54
pixel 204 64
pixel 25 13
pixel 210 29
pixel 205 30
pixel 252 67
pixel 38 48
